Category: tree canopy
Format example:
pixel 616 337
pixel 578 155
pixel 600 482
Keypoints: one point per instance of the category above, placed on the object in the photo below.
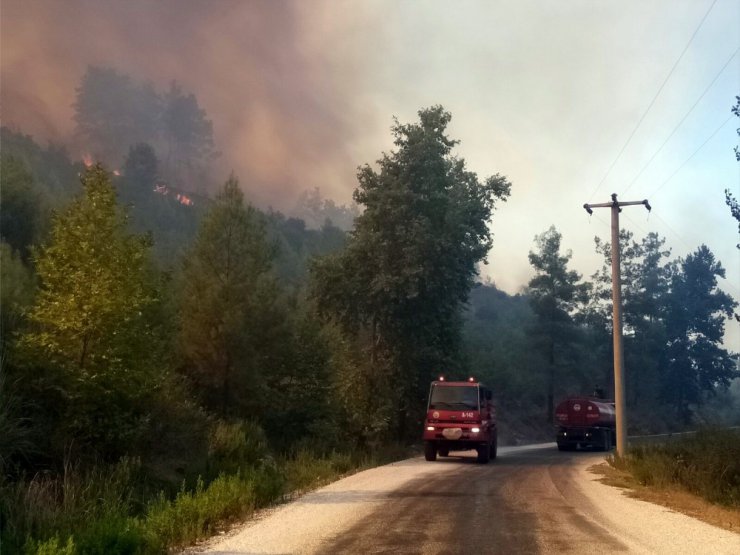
pixel 411 258
pixel 92 320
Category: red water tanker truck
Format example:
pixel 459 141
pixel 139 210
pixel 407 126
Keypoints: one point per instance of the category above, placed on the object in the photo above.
pixel 585 422
pixel 460 417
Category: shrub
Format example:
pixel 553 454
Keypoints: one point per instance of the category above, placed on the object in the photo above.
pixel 235 446
pixel 706 464
pixel 196 514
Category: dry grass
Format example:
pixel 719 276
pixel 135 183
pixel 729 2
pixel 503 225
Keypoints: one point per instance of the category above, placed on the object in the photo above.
pixel 673 498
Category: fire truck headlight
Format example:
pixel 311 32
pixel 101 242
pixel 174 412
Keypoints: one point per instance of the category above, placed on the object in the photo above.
pixel 430 428
pixel 475 430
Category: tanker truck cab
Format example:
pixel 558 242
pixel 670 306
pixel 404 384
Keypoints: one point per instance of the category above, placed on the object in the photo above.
pixel 460 417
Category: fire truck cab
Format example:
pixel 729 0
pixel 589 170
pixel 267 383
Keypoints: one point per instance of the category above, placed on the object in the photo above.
pixel 460 416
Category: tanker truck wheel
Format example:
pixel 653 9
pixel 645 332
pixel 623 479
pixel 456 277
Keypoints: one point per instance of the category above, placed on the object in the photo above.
pixel 430 451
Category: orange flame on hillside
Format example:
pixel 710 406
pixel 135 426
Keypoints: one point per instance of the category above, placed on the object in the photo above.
pixel 162 189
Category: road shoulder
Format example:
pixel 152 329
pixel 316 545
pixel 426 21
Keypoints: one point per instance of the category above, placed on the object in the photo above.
pixel 651 528
pixel 673 498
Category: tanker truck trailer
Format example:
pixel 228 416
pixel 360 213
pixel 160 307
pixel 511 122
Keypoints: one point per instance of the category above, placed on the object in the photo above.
pixel 587 422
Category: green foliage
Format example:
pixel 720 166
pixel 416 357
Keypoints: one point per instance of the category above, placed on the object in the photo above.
pixel 52 547
pixel 229 317
pixel 555 294
pixel 707 464
pixel 410 261
pixel 55 178
pixel 194 515
pixel 93 318
pixel 21 208
pixel 16 294
pixel 237 445
pixel 306 470
pixel 171 223
pixel 297 245
pixel 646 274
pixel 76 503
pixel 695 322
pixel 16 442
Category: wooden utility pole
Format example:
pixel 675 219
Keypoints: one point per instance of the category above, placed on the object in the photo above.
pixel 619 397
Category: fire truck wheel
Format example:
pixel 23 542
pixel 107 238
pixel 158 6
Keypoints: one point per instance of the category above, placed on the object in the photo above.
pixel 484 453
pixel 430 451
pixel 444 452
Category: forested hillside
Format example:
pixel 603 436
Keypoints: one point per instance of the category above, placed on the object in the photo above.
pixel 165 336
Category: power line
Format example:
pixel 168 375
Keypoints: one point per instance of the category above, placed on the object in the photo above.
pixel 689 247
pixel 683 119
pixel 636 224
pixel 690 157
pixel 652 101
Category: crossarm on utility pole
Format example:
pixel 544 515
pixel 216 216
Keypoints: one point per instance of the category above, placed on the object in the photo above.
pixel 619 393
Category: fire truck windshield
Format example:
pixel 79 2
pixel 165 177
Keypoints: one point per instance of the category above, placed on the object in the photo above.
pixel 453 397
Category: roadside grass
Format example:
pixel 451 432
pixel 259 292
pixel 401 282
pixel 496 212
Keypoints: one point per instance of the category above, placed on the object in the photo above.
pixel 706 464
pixel 107 512
pixel 698 475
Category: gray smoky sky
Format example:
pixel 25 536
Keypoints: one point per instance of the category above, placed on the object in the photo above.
pixel 545 92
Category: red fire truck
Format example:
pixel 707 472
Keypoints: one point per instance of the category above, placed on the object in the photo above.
pixel 460 416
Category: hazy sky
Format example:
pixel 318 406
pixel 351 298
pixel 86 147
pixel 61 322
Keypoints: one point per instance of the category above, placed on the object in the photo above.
pixel 544 92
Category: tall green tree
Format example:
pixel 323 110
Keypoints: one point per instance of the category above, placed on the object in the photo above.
pixel 93 321
pixel 697 309
pixel 646 273
pixel 410 262
pixel 229 315
pixel 555 294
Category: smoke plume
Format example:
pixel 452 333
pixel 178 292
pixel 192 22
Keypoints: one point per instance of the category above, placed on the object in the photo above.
pixel 265 72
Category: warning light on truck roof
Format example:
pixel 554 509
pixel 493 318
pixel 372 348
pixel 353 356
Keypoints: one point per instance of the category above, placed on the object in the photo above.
pixel 471 379
pixel 441 378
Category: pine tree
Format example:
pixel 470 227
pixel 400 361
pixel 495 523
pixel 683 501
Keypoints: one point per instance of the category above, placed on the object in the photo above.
pixel 696 314
pixel 229 316
pixel 554 293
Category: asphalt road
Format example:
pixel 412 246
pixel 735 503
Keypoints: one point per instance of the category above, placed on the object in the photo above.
pixel 530 500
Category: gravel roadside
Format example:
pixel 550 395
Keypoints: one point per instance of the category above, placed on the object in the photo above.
pixel 649 528
pixel 314 521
